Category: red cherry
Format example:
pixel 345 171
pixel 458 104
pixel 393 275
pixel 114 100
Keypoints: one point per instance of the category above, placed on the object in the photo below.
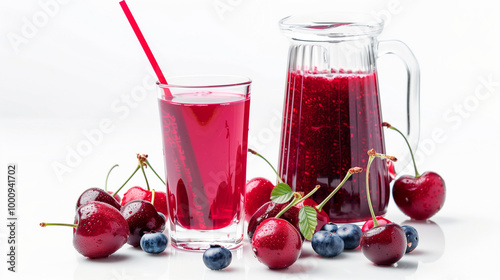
pixel 99 230
pixel 321 216
pixel 276 243
pixel 138 193
pixel 384 245
pixel 420 197
pixel 96 194
pixel 369 224
pixel 270 210
pixel 258 192
pixel 142 217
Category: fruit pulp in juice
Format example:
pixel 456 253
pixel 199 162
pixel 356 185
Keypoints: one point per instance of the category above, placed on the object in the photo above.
pixel 205 146
pixel 330 122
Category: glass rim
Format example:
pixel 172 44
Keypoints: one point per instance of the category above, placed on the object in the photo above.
pixel 328 26
pixel 205 81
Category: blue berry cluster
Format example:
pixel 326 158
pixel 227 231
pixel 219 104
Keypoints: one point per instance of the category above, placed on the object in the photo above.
pixel 332 240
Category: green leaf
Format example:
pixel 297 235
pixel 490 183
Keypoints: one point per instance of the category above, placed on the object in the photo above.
pixel 307 221
pixel 281 193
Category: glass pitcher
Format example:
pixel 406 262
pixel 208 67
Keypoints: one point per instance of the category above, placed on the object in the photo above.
pixel 332 114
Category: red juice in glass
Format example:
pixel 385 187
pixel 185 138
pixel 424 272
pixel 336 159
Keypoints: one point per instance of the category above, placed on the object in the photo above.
pixel 214 137
pixel 204 122
pixel 330 122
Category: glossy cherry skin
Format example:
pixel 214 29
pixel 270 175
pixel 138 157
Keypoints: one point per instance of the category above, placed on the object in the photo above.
pixel 138 193
pixel 142 217
pixel 420 198
pixel 276 243
pixel 96 194
pixel 369 224
pixel 270 210
pixel 257 193
pixel 384 245
pixel 321 215
pixel 101 230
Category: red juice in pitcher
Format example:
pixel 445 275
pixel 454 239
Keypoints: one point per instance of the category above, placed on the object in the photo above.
pixel 205 159
pixel 330 122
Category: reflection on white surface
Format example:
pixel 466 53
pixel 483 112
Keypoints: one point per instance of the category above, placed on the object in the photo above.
pixel 433 239
pixel 131 263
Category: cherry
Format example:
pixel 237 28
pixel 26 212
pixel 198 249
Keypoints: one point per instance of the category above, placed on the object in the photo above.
pixel 258 192
pixel 96 194
pixel 421 196
pixel 382 244
pixel 138 193
pixel 270 210
pixel 276 243
pixel 369 224
pixel 142 217
pixel 99 230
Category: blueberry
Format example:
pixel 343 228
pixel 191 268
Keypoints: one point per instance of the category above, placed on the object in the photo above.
pixel 327 244
pixel 217 257
pixel 411 237
pixel 351 234
pixel 331 227
pixel 154 243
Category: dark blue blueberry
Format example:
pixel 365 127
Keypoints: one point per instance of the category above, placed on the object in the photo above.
pixel 154 243
pixel 411 238
pixel 217 257
pixel 327 244
pixel 331 227
pixel 351 234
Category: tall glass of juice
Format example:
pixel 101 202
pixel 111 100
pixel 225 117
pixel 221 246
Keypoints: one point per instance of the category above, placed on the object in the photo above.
pixel 204 122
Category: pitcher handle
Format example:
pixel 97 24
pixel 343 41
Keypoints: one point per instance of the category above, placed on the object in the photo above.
pixel 401 50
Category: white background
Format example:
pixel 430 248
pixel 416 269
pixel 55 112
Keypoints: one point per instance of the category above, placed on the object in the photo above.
pixel 70 69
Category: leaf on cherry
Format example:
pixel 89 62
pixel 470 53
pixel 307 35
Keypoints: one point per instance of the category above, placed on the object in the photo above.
pixel 281 193
pixel 307 221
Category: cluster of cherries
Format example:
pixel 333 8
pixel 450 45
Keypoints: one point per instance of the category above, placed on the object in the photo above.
pixel 104 222
pixel 279 219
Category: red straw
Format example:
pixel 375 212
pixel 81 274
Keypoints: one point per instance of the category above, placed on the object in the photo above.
pixel 145 46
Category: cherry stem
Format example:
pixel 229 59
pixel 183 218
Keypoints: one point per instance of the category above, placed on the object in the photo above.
pixel 135 171
pixel 149 165
pixel 296 200
pixel 56 224
pixel 259 155
pixel 153 197
pixel 373 155
pixel 144 173
pixel 407 143
pixel 347 176
pixel 368 195
pixel 107 176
